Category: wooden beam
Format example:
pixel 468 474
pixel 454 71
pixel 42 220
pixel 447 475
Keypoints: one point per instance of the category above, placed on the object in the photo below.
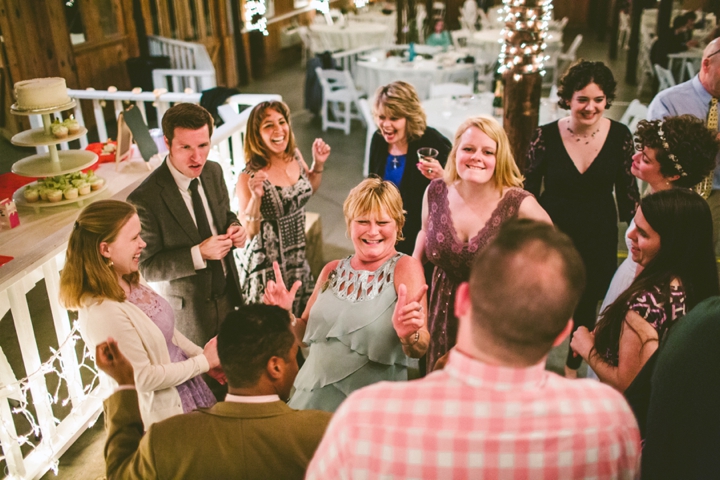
pixel 634 45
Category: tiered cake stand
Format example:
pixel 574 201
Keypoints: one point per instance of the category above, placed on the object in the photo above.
pixel 52 163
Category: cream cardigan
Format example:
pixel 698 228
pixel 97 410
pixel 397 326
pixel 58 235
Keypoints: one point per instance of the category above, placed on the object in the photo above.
pixel 142 342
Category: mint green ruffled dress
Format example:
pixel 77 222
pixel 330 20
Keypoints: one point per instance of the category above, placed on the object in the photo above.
pixel 351 337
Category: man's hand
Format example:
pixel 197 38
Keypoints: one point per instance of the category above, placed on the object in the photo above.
pixel 110 360
pixel 215 247
pixel 237 234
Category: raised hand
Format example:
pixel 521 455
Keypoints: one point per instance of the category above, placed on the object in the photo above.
pixel 409 316
pixel 276 293
pixel 110 360
pixel 320 151
pixel 255 183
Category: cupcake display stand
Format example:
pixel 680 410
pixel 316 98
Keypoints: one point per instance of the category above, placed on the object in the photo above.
pixel 53 162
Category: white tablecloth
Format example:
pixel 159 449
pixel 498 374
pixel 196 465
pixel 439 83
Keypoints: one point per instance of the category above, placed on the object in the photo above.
pixel 350 36
pixel 374 17
pixel 376 72
pixel 446 114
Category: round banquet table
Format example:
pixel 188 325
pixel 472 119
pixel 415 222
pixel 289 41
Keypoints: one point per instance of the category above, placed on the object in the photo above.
pixel 349 36
pixel 446 114
pixel 378 71
pixel 374 17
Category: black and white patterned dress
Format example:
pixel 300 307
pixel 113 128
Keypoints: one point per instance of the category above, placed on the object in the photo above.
pixel 281 238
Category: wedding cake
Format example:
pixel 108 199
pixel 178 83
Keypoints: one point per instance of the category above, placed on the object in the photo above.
pixel 40 93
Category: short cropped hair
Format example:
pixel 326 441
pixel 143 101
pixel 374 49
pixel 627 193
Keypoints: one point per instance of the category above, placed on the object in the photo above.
pixel 524 287
pixel 373 195
pixel 581 74
pixel 400 99
pixel 248 338
pixel 256 152
pixel 507 173
pixel 185 115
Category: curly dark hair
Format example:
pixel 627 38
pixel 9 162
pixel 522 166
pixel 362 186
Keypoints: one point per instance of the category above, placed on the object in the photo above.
pixel 688 139
pixel 581 74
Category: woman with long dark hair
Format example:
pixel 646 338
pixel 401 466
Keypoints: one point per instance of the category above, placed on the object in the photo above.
pixel 672 242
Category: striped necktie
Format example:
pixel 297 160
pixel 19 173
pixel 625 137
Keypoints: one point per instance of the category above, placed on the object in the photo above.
pixel 704 188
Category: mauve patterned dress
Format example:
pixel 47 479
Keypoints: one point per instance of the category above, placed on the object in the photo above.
pixel 194 393
pixel 452 259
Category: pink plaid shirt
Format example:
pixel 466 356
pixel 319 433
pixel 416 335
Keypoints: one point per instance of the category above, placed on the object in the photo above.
pixel 473 420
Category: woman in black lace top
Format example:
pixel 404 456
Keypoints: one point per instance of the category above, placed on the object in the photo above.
pixel 580 159
pixel 672 243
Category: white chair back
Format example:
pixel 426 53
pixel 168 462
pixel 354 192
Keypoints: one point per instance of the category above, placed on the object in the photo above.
pixel 420 21
pixel 690 68
pixel 635 112
pixel 338 90
pixel 460 37
pixel 439 10
pixel 366 112
pixel 450 89
pixel 665 77
pixel 572 51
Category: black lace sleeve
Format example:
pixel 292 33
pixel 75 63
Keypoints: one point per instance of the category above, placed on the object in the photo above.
pixel 535 164
pixel 626 188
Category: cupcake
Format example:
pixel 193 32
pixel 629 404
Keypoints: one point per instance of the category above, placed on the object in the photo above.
pixel 97 184
pixel 59 130
pixel 43 193
pixel 84 188
pixel 70 193
pixel 31 194
pixel 72 125
pixel 54 196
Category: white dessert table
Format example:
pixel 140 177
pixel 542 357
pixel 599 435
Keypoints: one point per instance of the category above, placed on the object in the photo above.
pixel 349 36
pixel 377 71
pixel 447 114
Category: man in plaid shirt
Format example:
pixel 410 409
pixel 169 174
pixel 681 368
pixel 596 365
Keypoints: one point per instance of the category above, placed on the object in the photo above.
pixel 494 411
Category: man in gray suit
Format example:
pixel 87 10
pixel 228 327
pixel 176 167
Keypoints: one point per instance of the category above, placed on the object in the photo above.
pixel 253 434
pixel 189 228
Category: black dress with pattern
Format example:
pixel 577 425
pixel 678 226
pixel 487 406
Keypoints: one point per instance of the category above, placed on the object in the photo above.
pixel 582 204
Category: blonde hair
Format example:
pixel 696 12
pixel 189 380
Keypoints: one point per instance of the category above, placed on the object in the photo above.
pixel 373 195
pixel 400 99
pixel 87 273
pixel 256 152
pixel 507 173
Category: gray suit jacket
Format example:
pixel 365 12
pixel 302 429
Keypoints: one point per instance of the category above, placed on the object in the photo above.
pixel 227 441
pixel 170 233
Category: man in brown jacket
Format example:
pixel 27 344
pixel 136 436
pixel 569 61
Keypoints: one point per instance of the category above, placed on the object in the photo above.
pixel 253 434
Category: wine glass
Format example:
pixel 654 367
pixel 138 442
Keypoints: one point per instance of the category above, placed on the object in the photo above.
pixel 427 152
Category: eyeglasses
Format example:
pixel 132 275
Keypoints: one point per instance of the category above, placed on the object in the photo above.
pixel 714 53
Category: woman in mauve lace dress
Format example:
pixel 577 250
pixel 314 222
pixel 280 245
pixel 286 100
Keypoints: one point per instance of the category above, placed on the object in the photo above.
pixel 482 188
pixel 100 279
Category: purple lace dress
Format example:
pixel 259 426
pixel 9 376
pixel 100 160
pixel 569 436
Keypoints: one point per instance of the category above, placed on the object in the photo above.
pixel 452 260
pixel 194 393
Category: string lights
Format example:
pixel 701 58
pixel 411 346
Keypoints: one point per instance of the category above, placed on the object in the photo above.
pixel 524 37
pixel 32 438
pixel 255 16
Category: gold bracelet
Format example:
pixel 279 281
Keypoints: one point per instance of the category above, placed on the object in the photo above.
pixel 416 338
pixel 318 171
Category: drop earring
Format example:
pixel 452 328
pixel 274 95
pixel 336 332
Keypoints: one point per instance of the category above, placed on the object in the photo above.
pixel 110 263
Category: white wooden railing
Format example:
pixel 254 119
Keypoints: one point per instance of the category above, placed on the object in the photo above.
pixel 38 246
pixel 191 66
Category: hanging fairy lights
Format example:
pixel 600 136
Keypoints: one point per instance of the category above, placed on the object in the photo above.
pixel 20 389
pixel 255 16
pixel 524 37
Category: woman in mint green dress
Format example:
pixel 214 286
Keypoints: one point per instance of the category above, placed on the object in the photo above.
pixel 367 314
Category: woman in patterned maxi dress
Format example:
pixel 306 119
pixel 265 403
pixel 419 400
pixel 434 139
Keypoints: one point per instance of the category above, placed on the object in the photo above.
pixel 273 190
pixel 481 189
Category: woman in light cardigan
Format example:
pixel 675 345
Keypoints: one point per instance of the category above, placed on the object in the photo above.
pixel 101 280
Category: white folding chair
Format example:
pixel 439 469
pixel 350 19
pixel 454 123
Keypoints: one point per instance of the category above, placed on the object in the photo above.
pixel 690 68
pixel 450 89
pixel 665 77
pixel 420 22
pixel 624 31
pixel 460 37
pixel 635 112
pixel 371 128
pixel 645 68
pixel 308 50
pixel 338 90
pixel 438 10
pixel 567 57
pixel 485 75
